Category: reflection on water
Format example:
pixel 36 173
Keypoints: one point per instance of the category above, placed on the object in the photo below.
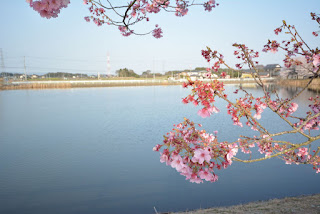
pixel 90 151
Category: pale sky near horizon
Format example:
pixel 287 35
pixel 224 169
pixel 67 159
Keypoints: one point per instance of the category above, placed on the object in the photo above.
pixel 70 44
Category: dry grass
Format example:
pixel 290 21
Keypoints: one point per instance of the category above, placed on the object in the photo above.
pixel 36 86
pixel 79 84
pixel 304 204
pixel 315 85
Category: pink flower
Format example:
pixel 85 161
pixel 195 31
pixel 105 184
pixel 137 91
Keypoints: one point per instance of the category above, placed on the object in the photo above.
pixel 48 8
pixel 177 163
pixel 302 152
pixel 206 112
pixel 186 171
pixel 201 155
pixel 288 162
pixel 157 33
pixel 232 152
pixel 101 10
pixel 274 50
pixel 206 175
pixel 209 5
pixel 293 108
pixel 164 158
pixel 54 4
pixel 316 60
pixel 257 116
pixel 195 179
pixel 157 147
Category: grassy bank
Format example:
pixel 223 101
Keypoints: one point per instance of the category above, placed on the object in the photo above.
pixel 54 85
pixel 303 204
pixel 315 84
pixel 106 83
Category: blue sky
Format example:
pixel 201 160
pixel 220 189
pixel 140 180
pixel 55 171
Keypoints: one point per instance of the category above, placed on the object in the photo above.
pixel 69 44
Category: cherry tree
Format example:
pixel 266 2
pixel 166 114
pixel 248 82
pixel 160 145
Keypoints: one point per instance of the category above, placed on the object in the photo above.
pixel 195 153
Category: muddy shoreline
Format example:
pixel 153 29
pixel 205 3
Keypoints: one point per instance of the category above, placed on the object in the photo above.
pixel 302 204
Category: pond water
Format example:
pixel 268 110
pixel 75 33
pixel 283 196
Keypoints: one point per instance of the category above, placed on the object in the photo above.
pixel 90 151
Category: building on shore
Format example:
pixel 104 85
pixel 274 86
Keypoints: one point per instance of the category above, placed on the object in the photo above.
pixel 301 69
pixel 271 70
pixel 195 75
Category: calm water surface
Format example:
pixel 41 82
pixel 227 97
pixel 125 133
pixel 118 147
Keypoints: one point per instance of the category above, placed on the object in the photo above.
pixel 90 151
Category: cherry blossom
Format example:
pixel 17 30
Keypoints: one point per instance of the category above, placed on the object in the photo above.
pixel 201 155
pixel 316 60
pixel 48 8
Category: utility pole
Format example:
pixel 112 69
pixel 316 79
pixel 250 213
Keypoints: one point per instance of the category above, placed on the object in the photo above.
pixel 163 65
pixel 3 68
pixel 108 65
pixel 25 70
pixel 154 76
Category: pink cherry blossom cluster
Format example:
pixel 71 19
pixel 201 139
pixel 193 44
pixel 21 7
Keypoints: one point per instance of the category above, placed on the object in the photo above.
pixel 315 17
pixel 122 16
pixel 316 63
pixel 204 94
pixel 195 153
pixel 272 46
pixel 125 16
pixel 246 55
pixel 283 107
pixel 312 121
pixel 245 146
pixel 248 107
pixel 265 145
pixel 244 108
pixel 303 155
pixel 48 8
pixel 157 32
pixel 98 12
pixel 209 5
pixel 296 156
pixel 182 8
pixel 213 55
pixel 125 31
pixel 295 46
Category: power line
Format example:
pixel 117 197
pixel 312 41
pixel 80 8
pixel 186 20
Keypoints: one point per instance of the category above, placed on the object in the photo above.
pixel 63 69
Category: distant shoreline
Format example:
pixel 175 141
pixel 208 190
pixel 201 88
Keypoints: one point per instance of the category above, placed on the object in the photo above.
pixel 108 83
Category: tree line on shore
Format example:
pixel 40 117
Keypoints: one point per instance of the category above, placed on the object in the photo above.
pixel 122 73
